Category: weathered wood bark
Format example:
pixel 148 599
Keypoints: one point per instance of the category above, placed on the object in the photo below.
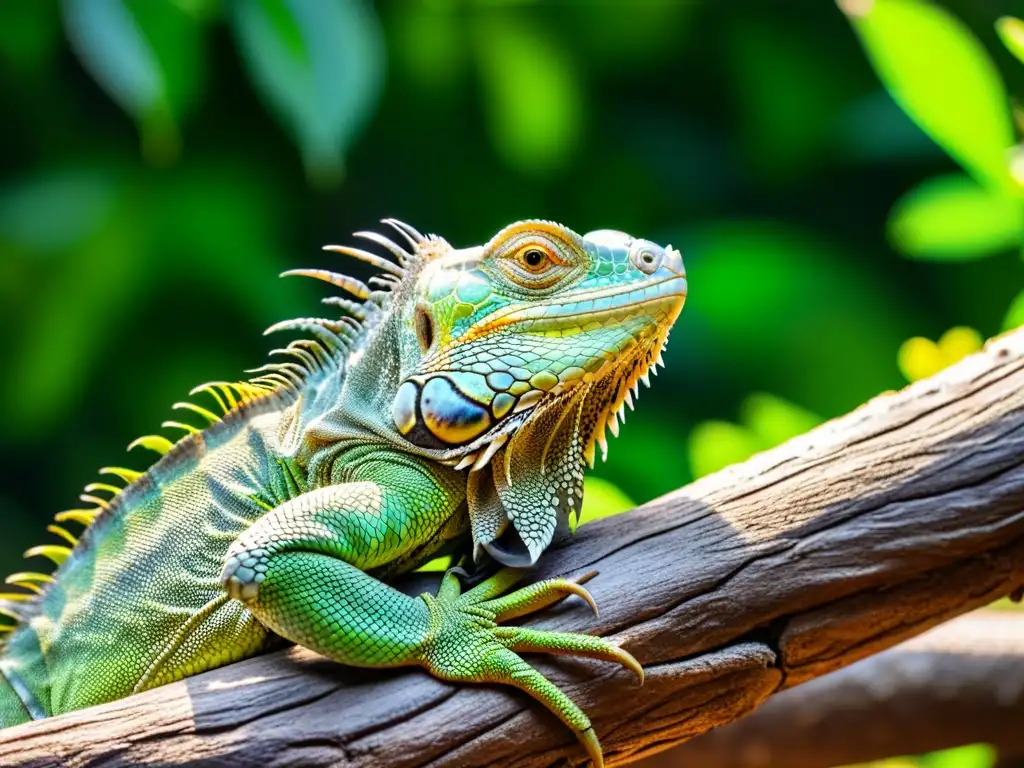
pixel 960 683
pixel 830 548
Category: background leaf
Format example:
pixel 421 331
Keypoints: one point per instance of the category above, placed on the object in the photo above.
pixel 954 218
pixel 1011 32
pixel 919 50
pixel 602 498
pixel 1015 314
pixel 919 358
pixel 774 420
pixel 146 54
pixel 969 756
pixel 766 421
pixel 55 209
pixel 319 66
pixel 714 445
pixel 533 99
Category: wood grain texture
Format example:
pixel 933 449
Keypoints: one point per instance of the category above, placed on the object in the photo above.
pixel 866 531
pixel 960 683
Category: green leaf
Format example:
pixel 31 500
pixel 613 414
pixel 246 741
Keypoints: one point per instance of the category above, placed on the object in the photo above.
pixel 767 421
pixel 147 55
pixel 1011 32
pixel 319 66
pixel 534 101
pixel 940 74
pixel 774 420
pixel 54 210
pixel 953 218
pixel 714 445
pixel 1015 314
pixel 970 756
pixel 602 498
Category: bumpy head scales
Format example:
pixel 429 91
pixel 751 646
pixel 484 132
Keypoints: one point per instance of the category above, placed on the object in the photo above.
pixel 521 353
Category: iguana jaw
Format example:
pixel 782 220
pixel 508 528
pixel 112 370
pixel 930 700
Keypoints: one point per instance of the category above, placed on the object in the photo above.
pixel 608 389
pixel 590 309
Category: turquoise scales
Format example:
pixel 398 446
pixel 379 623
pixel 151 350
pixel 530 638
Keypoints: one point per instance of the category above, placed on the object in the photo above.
pixel 456 401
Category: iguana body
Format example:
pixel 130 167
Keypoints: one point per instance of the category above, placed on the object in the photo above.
pixel 458 404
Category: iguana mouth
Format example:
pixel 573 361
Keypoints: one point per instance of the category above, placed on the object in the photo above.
pixel 604 305
pixel 598 306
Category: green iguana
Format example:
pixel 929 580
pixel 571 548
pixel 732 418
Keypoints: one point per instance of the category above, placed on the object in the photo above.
pixel 456 404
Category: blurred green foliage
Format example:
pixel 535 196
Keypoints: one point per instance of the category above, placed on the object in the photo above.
pixel 765 421
pixel 163 160
pixel 939 72
pixel 969 756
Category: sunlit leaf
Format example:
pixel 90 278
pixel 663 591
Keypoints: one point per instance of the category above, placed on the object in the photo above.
pixel 937 70
pixel 602 498
pixel 147 55
pixel 766 421
pixel 55 209
pixel 970 756
pixel 919 358
pixel 774 420
pixel 958 342
pixel 1011 32
pixel 954 218
pixel 319 66
pixel 1006 604
pixel 1015 314
pixel 714 445
pixel 534 99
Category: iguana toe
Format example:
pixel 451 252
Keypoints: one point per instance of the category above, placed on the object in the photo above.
pixel 465 643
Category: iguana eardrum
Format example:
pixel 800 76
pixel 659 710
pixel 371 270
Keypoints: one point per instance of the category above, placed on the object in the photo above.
pixel 457 403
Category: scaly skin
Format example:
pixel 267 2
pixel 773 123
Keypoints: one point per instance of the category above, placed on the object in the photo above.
pixel 461 407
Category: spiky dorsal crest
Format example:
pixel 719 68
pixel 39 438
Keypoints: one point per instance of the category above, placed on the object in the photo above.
pixel 326 350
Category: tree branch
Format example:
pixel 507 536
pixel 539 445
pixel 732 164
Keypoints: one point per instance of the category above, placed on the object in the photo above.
pixel 869 529
pixel 960 683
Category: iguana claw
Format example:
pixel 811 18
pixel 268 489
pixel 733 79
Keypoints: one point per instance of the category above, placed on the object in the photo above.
pixel 465 643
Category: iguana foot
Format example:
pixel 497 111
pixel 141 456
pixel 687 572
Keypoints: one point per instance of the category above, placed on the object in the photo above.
pixel 465 643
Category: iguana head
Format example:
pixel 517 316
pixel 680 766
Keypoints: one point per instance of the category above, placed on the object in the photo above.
pixel 518 354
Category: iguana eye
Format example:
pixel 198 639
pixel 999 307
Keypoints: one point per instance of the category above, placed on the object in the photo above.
pixel 534 265
pixel 534 259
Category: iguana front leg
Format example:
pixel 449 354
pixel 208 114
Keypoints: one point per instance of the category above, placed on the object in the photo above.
pixel 299 571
